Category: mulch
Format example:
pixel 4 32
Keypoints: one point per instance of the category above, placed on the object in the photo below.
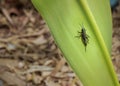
pixel 28 53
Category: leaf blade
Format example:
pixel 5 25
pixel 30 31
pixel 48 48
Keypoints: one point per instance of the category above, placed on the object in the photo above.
pixel 64 18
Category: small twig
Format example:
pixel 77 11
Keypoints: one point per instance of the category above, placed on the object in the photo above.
pixel 7 16
pixel 23 36
pixel 36 68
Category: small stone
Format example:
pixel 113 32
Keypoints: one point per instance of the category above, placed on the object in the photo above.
pixel 21 64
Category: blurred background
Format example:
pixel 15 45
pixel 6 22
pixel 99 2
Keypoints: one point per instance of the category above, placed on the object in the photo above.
pixel 28 53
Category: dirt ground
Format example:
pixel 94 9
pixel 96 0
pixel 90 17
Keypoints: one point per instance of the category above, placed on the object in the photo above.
pixel 28 53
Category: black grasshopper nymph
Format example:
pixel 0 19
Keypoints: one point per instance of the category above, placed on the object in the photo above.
pixel 84 37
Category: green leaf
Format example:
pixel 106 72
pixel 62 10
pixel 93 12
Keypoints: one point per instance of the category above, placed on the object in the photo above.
pixel 65 18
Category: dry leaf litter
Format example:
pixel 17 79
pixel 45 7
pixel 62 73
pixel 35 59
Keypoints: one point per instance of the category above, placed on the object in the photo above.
pixel 28 53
